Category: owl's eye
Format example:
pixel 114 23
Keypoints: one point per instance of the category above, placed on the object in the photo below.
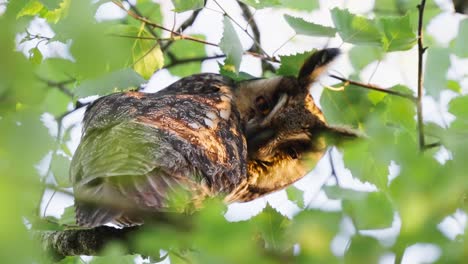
pixel 263 105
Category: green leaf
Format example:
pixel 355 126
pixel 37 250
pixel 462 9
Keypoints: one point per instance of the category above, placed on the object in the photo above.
pixel 60 166
pixel 295 195
pixel 272 226
pixel 374 211
pixel 51 4
pixel 186 49
pixel 355 29
pixel 350 106
pixel 259 4
pixel 303 27
pixel 54 15
pixel 437 64
pixel 462 38
pixel 300 5
pixel 361 56
pixel 35 55
pixel 68 217
pixel 32 8
pixel 365 164
pixel 231 46
pixel 291 64
pixel 241 76
pixel 364 249
pixel 454 86
pixel 148 58
pixel 397 33
pixel 186 5
pixel 314 230
pixel 112 82
pixel 335 192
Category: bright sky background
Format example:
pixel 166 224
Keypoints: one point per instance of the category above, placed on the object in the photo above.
pixel 397 68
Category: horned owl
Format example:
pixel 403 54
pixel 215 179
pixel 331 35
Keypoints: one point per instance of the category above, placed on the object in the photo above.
pixel 205 135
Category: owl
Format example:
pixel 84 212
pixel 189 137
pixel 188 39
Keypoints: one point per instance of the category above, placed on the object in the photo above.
pixel 205 135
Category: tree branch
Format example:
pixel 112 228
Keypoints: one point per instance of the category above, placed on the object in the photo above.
pixel 83 241
pixel 374 87
pixel 421 50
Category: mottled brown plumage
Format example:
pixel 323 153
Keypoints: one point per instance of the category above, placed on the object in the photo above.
pixel 204 135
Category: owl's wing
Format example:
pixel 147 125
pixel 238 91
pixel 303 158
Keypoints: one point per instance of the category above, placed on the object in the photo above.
pixel 137 148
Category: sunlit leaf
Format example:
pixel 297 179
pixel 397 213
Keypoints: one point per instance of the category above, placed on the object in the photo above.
pixel 355 29
pixel 397 33
pixel 148 58
pixel 112 82
pixel 303 27
pixel 35 55
pixel 437 64
pixel 231 46
pixel 295 195
pixel 32 8
pixel 186 5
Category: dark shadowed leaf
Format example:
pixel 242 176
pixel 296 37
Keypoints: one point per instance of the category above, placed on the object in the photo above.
pixel 291 64
pixel 303 27
pixel 186 49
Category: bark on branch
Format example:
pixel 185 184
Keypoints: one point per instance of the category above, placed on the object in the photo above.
pixel 83 241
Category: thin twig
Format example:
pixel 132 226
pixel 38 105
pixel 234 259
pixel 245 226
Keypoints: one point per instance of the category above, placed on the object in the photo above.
pixel 148 22
pixel 59 85
pixel 374 87
pixel 421 50
pixel 176 61
pixel 187 23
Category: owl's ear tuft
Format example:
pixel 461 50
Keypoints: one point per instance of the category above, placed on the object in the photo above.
pixel 316 64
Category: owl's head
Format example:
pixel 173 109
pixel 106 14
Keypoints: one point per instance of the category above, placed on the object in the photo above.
pixel 280 116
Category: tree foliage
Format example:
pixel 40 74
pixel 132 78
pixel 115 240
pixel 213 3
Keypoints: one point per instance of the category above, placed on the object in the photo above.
pixel 122 54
